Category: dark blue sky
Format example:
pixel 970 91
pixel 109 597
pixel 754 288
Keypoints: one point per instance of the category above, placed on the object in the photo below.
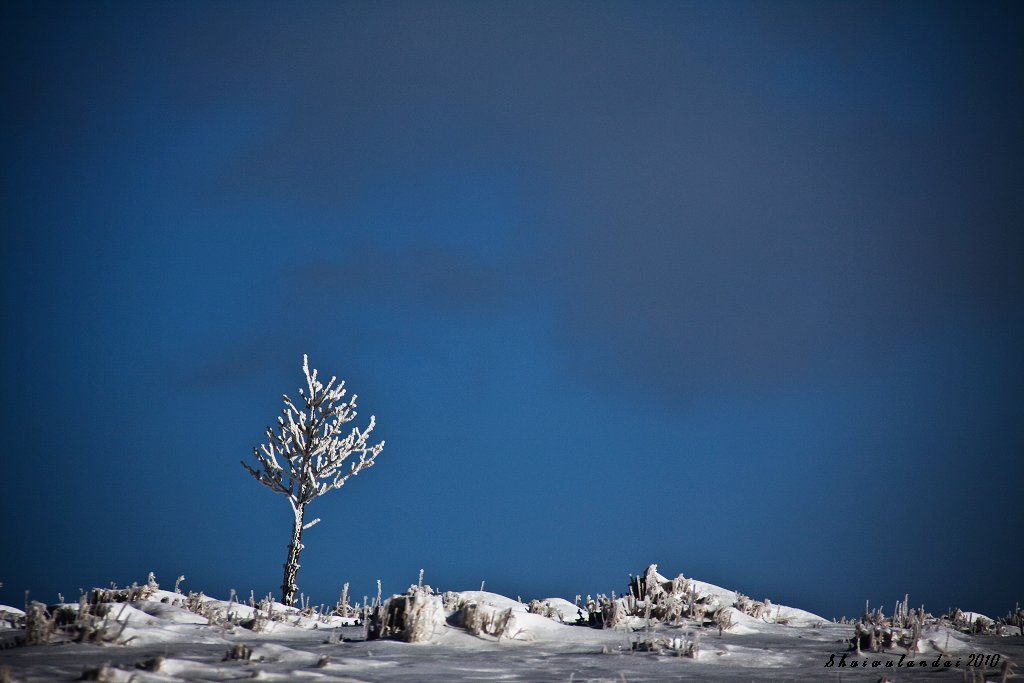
pixel 731 287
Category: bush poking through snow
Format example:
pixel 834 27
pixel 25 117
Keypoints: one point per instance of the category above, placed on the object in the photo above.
pixel 412 618
pixel 1015 618
pixel 104 673
pixel 605 612
pixel 908 627
pixel 680 646
pixel 653 599
pixel 969 622
pixel 876 638
pixel 101 632
pixel 342 608
pixel 723 619
pixel 257 623
pixel 197 603
pixel 133 593
pixel 452 601
pixel 240 651
pixel 153 664
pixel 86 622
pixel 545 610
pixel 753 608
pixel 39 624
pixel 481 620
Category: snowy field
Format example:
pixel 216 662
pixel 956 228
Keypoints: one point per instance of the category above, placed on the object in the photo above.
pixel 149 635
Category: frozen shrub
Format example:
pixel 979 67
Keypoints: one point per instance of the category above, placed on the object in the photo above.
pixel 697 611
pixel 342 608
pixel 613 613
pixel 90 627
pixel 752 608
pixel 9 619
pixel 723 619
pixel 39 624
pixel 544 609
pixel 153 664
pixel 133 593
pixel 197 603
pixel 257 623
pixel 413 617
pixel 84 623
pixel 103 672
pixel 240 651
pixel 1015 619
pixel 606 612
pixel 481 620
pixel 680 646
pixel 967 622
pixel 452 601
pixel 654 599
pixel 650 587
pixel 911 638
pixel 878 637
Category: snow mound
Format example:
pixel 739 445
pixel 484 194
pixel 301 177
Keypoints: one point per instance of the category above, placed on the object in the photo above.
pixel 563 610
pixel 491 599
pixel 742 624
pixel 9 616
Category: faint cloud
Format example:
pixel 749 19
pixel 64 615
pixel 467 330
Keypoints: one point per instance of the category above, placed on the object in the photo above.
pixel 432 277
pixel 233 364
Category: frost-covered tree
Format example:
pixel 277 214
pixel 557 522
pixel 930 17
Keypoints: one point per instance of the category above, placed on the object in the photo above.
pixel 305 456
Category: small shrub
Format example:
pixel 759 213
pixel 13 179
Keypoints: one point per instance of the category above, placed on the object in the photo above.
pixel 545 610
pixel 723 619
pixel 482 620
pixel 103 672
pixel 413 617
pixel 153 664
pixel 240 651
pixel 39 624
pixel 680 646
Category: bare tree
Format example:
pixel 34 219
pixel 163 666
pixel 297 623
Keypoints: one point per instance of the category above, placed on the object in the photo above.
pixel 308 441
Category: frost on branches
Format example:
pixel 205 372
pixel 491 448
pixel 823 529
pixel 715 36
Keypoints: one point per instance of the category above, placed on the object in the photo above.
pixel 306 455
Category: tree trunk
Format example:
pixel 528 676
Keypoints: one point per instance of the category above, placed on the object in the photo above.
pixel 291 568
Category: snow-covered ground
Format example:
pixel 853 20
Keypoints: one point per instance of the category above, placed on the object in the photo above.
pixel 168 637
